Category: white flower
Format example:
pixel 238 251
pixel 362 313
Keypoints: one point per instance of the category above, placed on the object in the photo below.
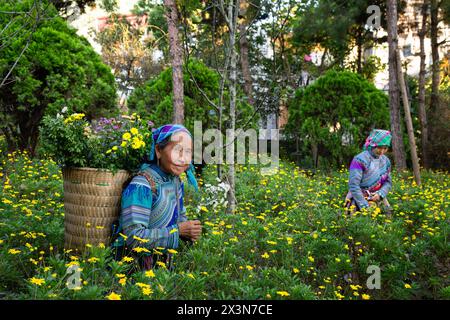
pixel 64 110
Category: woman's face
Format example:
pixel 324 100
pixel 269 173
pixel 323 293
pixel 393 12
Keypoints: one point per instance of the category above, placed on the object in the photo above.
pixel 379 151
pixel 176 156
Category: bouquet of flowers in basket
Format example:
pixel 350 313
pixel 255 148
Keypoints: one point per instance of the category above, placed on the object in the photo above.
pixel 116 143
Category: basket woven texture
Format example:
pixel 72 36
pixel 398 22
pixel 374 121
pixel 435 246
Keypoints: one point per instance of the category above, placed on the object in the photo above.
pixel 92 202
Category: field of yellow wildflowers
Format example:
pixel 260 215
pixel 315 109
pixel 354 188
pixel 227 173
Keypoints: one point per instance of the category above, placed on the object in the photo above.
pixel 289 239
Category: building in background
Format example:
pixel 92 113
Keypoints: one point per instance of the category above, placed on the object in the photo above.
pixel 95 19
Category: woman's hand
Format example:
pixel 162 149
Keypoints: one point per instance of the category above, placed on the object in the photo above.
pixel 376 197
pixel 190 229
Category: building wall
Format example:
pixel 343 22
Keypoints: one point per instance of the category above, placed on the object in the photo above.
pixel 95 17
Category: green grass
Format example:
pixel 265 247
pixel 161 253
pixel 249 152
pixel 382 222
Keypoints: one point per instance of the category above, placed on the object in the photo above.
pixel 289 239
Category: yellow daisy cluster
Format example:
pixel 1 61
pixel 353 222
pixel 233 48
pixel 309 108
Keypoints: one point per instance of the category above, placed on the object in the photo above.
pixel 74 117
pixel 292 242
pixel 133 138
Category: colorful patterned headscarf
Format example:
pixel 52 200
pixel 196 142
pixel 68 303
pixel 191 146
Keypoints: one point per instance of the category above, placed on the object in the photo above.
pixel 378 138
pixel 165 132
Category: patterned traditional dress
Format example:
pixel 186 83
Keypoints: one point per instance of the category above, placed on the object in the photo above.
pixel 369 173
pixel 153 217
pixel 152 206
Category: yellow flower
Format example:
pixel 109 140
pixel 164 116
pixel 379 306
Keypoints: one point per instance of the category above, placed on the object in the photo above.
pixel 72 263
pixel 283 293
pixel 172 251
pixel 37 281
pixel 296 270
pixel 137 143
pixel 142 285
pixel 311 259
pixel 76 288
pixel 126 136
pixel 190 275
pixel 134 131
pixel 113 296
pixel 265 255
pixel 13 251
pixel 123 281
pixel 150 274
pixel 249 268
pixel 127 259
pixel 147 291
pixel 140 249
pixel 365 296
pixel 93 260
pixel 338 295
pixel 6 201
pixel 140 239
pixel 407 286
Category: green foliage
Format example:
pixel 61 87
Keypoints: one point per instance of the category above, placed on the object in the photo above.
pixel 58 69
pixel 369 68
pixel 289 239
pixel 337 26
pixel 154 99
pixel 157 24
pixel 336 113
pixel 116 143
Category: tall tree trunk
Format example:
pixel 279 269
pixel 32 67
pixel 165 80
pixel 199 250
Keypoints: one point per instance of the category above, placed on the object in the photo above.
pixel 245 65
pixel 408 120
pixel 435 78
pixel 394 101
pixel 359 43
pixel 233 9
pixel 421 98
pixel 176 57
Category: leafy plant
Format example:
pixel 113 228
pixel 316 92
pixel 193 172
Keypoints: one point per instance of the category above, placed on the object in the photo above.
pixel 115 143
pixel 333 115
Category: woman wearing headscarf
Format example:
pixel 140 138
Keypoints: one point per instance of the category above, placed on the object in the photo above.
pixel 153 216
pixel 370 173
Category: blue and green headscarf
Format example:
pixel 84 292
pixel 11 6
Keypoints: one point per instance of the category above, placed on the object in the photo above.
pixel 378 138
pixel 163 133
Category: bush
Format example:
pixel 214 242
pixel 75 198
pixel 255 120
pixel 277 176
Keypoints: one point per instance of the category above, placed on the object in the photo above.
pixel 154 99
pixel 114 144
pixel 334 115
pixel 58 69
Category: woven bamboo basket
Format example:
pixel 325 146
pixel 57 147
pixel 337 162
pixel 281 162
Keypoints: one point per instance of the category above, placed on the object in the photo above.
pixel 92 203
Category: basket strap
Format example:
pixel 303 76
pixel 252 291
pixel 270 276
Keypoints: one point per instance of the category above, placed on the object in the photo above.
pixel 149 179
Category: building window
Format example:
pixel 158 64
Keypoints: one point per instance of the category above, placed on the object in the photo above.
pixel 407 50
